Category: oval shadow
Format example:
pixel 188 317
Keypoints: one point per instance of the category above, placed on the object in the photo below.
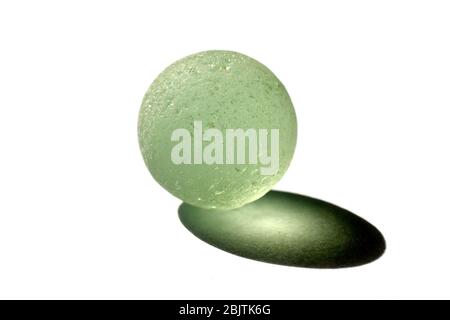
pixel 288 229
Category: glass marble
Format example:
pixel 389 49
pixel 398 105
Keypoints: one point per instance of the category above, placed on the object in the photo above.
pixel 221 90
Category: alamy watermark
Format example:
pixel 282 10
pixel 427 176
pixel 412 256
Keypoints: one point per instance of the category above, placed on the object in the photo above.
pixel 236 146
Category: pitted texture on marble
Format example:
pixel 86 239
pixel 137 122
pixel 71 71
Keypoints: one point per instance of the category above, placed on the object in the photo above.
pixel 224 90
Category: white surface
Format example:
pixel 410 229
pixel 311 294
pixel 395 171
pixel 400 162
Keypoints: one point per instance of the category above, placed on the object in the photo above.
pixel 80 216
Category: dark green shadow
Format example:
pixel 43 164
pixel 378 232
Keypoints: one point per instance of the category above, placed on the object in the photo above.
pixel 288 229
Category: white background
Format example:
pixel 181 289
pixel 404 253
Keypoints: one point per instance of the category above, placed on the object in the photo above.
pixel 81 217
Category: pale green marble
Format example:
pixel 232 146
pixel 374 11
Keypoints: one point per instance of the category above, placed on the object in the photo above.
pixel 224 90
